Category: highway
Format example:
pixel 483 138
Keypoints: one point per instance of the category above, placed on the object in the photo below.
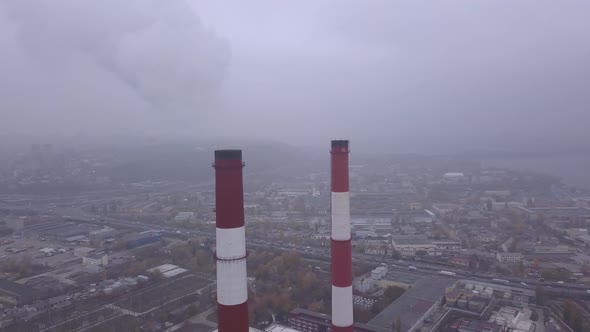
pixel 322 254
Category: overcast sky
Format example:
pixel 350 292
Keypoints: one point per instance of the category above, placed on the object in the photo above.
pixel 410 75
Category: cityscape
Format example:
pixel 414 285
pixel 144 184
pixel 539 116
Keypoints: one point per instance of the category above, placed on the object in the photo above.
pixel 437 243
pixel 294 166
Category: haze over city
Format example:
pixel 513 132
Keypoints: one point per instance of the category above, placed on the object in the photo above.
pixel 445 76
pixel 294 166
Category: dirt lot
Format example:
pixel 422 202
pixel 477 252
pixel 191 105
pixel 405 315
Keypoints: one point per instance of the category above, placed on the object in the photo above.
pixel 30 247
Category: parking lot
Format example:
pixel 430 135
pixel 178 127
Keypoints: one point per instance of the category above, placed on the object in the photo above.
pixel 16 247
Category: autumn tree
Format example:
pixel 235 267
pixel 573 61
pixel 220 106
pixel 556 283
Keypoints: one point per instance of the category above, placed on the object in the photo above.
pixel 539 295
pixel 397 325
pixel 567 312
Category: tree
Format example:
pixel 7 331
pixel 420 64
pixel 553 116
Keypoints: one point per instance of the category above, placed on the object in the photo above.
pixel 577 322
pixel 397 325
pixel 361 266
pixel 421 253
pixel 519 228
pixel 530 202
pixel 156 276
pixel 191 310
pixel 489 204
pixel 188 324
pixel 539 295
pixel 567 312
pixel 299 204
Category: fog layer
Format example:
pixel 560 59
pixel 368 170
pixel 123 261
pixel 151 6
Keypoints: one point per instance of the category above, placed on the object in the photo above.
pixel 407 75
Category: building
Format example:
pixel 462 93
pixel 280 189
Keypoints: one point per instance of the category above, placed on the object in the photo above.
pixel 363 226
pixel 363 284
pixel 414 216
pixel 376 250
pixel 184 217
pixel 278 328
pixel 251 329
pixel 308 321
pixel 460 261
pixel 515 319
pixel 102 233
pixel 447 245
pixel 414 305
pixel 376 240
pixel 554 212
pixel 454 178
pixel 15 224
pixel 444 208
pixel 17 294
pixel 143 238
pixel 76 239
pixel 168 270
pixel 409 246
pixel 98 259
pixel 507 245
pixel 509 257
pixel 83 251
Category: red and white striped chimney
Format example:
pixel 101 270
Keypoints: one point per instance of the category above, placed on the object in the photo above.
pixel 232 287
pixel 342 320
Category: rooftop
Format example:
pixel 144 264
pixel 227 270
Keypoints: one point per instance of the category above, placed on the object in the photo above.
pixel 251 330
pixel 16 289
pixel 413 304
pixel 279 328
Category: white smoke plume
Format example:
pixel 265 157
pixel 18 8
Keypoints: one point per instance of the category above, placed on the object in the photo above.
pixel 158 49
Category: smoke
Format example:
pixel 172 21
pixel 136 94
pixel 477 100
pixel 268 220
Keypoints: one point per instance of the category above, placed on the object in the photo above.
pixel 157 50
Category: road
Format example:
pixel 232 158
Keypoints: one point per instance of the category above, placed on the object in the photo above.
pixel 202 318
pixel 322 253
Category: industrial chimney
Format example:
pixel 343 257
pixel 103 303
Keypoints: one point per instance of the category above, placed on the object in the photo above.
pixel 342 320
pixel 232 288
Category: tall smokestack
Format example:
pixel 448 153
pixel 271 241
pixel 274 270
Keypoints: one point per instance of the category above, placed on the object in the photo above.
pixel 232 288
pixel 342 320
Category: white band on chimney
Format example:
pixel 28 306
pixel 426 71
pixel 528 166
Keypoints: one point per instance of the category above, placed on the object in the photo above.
pixel 341 216
pixel 232 287
pixel 230 242
pixel 342 306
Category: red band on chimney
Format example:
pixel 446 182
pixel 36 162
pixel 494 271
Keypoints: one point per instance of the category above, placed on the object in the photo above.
pixel 341 263
pixel 339 167
pixel 232 318
pixel 229 193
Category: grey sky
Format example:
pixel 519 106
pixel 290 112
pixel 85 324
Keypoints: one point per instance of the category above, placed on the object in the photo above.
pixel 422 75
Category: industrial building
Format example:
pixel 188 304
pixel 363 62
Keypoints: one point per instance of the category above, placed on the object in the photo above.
pixel 410 245
pixel 16 294
pixel 509 257
pixel 168 270
pixel 143 238
pixel 308 321
pixel 97 259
